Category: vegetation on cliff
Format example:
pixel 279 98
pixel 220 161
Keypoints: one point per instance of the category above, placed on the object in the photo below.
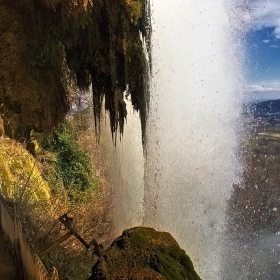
pixel 21 180
pixel 49 47
pixel 58 178
pixel 73 166
pixel 49 51
pixel 81 192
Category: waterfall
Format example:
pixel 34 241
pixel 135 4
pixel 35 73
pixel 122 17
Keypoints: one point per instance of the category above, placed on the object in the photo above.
pixel 124 170
pixel 192 128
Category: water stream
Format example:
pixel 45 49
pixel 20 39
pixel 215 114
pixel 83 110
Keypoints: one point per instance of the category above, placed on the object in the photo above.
pixel 192 129
pixel 125 170
pixel 183 181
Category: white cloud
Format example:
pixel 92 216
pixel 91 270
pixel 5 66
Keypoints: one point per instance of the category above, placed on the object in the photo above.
pixel 260 13
pixel 266 13
pixel 264 86
pixel 260 91
pixel 273 46
pixel 266 41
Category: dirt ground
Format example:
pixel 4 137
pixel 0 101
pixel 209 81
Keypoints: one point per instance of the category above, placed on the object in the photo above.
pixel 7 263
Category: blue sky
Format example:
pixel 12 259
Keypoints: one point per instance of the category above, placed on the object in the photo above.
pixel 263 54
pixel 262 21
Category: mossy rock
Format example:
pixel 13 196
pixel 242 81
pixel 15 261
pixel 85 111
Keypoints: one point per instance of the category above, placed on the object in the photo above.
pixel 135 9
pixel 144 253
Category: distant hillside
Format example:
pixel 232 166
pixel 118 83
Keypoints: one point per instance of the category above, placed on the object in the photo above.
pixel 263 109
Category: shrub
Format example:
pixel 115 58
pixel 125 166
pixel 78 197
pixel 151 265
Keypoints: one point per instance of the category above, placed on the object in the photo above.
pixel 72 163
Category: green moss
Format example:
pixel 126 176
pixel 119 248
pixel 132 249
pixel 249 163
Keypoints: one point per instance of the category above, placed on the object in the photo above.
pixel 171 268
pixel 135 9
pixel 145 252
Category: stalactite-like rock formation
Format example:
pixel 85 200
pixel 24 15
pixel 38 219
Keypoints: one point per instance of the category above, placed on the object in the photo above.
pixel 50 46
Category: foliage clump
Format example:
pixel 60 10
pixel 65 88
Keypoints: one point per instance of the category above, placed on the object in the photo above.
pixel 72 164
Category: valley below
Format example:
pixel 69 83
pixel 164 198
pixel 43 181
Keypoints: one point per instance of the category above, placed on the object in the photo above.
pixel 253 212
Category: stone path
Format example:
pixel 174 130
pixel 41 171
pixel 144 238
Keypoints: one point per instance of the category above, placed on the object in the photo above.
pixel 7 264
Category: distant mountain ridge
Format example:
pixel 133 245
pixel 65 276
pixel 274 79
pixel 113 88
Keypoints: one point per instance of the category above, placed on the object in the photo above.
pixel 264 108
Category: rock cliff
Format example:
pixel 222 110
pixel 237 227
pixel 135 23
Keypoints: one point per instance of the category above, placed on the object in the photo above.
pixel 50 48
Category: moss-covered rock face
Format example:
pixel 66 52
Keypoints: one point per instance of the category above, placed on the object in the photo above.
pixel 31 92
pixel 47 46
pixel 144 253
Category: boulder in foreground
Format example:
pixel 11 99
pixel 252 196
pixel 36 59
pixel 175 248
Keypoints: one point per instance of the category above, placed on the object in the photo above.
pixel 143 253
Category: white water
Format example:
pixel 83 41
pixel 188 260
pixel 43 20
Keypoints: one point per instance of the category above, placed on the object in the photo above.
pixel 125 169
pixel 196 90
